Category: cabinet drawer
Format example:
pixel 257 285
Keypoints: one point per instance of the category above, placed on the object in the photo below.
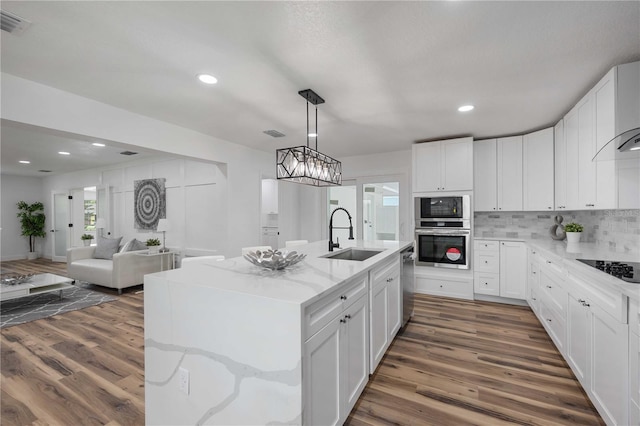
pixel 445 287
pixel 534 301
pixel 487 262
pixel 554 324
pixel 385 271
pixel 321 312
pixel 553 291
pixel 486 283
pixel 610 301
pixel 486 245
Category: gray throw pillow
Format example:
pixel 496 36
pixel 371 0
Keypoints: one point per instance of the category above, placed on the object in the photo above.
pixel 136 245
pixel 106 248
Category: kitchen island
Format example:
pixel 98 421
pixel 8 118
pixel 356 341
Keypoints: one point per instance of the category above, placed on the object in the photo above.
pixel 227 342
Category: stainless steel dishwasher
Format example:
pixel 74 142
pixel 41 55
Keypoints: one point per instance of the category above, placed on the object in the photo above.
pixel 408 284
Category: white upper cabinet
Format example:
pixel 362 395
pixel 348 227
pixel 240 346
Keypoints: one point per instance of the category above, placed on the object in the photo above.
pixel 509 171
pixel 485 175
pixel 443 165
pixel 560 162
pixel 538 170
pixel 586 152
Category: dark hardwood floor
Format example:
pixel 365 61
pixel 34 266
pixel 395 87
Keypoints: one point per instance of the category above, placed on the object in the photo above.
pixel 456 363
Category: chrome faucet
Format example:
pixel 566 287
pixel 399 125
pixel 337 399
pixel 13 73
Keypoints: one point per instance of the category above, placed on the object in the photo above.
pixel 333 245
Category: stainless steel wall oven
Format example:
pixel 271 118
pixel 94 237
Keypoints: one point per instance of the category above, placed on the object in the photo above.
pixel 443 232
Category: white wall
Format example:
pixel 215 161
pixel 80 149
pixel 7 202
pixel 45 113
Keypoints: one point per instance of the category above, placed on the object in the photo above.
pixel 13 189
pixel 31 103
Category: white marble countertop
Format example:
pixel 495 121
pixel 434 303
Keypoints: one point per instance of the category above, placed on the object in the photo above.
pixel 301 284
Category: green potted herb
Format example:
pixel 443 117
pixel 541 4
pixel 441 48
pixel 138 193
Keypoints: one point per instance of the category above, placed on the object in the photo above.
pixel 32 220
pixel 154 245
pixel 573 230
pixel 86 239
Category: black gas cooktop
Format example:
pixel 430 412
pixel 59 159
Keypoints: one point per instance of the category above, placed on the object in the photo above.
pixel 629 272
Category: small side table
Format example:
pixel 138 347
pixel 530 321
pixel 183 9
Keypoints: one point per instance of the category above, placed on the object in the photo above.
pixel 164 255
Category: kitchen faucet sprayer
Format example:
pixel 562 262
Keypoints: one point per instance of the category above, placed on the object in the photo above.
pixel 333 245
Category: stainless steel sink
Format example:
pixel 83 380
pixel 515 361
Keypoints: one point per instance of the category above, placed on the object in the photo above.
pixel 353 254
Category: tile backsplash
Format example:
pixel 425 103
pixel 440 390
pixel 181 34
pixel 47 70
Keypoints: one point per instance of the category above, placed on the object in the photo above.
pixel 617 229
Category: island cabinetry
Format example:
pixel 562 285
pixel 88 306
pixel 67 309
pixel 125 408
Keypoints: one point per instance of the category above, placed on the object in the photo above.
pixel 385 309
pixel 634 362
pixel 335 359
pixel 597 346
pixel 500 268
pixel 443 165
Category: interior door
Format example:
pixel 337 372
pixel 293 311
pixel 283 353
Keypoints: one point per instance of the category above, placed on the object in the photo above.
pixel 60 227
pixel 381 211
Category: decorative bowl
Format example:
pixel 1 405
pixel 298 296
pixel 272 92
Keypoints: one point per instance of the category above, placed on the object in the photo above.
pixel 17 279
pixel 278 259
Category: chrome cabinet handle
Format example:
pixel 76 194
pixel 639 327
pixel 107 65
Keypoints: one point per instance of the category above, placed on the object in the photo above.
pixel 342 320
pixel 549 286
pixel 343 297
pixel 347 317
pixel 581 301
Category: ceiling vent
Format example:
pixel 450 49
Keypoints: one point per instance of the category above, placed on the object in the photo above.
pixel 45 171
pixel 128 153
pixel 274 133
pixel 13 24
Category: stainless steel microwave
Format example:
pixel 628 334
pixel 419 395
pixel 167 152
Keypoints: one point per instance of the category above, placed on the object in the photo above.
pixel 442 212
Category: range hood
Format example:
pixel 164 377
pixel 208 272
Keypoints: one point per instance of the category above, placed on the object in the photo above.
pixel 625 141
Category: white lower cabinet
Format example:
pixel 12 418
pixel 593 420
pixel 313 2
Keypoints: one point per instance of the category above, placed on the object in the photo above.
pixel 385 299
pixel 500 268
pixel 336 366
pixel 597 347
pixel 634 362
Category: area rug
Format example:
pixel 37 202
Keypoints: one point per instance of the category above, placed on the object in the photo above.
pixel 31 308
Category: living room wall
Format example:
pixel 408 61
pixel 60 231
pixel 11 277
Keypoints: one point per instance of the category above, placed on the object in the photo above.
pixel 13 246
pixel 35 104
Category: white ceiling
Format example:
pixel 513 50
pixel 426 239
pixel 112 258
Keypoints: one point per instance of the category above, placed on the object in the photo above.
pixel 391 72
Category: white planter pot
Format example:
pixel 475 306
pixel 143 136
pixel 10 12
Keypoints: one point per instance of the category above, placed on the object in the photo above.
pixel 154 249
pixel 87 243
pixel 32 255
pixel 573 237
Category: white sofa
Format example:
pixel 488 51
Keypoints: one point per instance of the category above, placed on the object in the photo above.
pixel 125 270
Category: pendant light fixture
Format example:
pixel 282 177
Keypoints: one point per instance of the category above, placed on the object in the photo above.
pixel 302 164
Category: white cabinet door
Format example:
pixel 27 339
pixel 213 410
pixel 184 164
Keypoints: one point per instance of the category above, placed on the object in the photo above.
pixel 322 381
pixel 394 308
pixel 379 322
pixel 356 353
pixel 586 152
pixel 426 167
pixel 457 165
pixel 610 367
pixel 513 269
pixel 578 351
pixel 510 173
pixel 485 178
pixel 605 130
pixel 560 163
pixel 538 170
pixel 572 144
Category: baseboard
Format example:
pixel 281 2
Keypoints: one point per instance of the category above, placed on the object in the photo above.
pixel 13 257
pixel 497 299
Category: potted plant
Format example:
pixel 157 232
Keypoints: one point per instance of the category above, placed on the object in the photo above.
pixel 86 239
pixel 154 245
pixel 32 222
pixel 573 230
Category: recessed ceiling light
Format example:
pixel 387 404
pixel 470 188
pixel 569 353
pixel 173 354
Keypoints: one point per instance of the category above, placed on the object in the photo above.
pixel 98 144
pixel 63 153
pixel 24 162
pixel 465 108
pixel 207 78
pixel 313 135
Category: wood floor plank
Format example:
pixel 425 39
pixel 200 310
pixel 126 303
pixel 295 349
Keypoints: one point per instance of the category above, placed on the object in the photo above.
pixel 456 363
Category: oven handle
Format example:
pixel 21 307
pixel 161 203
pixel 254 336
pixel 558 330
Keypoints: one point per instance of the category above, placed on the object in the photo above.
pixel 441 232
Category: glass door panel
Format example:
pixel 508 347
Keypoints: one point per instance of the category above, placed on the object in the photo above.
pixel 381 211
pixel 60 229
